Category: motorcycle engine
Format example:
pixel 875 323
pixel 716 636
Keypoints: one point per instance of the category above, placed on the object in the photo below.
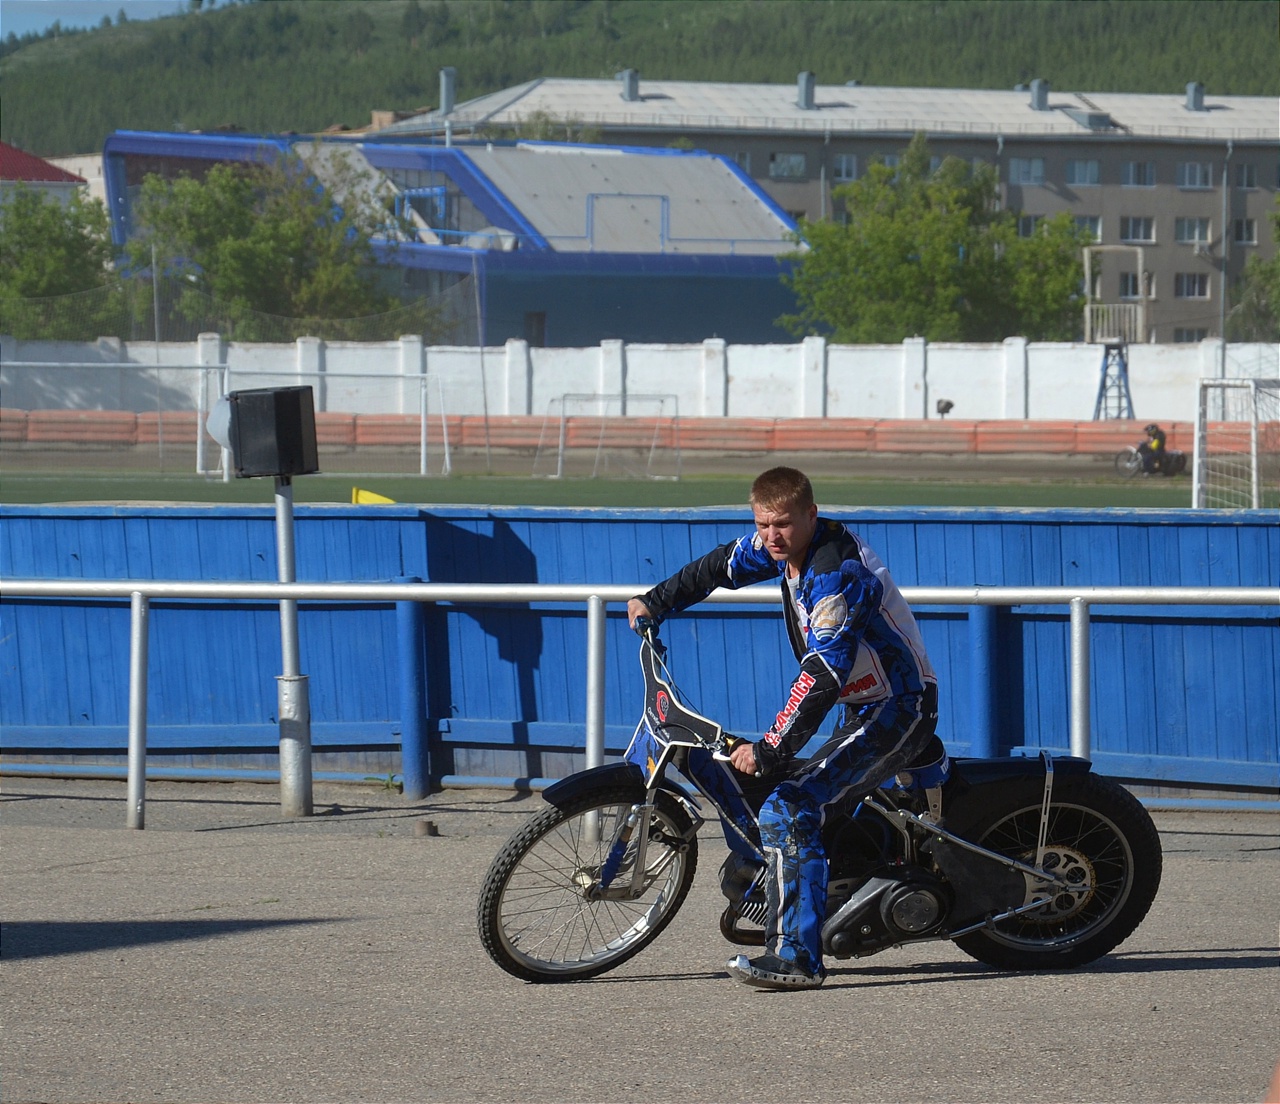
pixel 887 908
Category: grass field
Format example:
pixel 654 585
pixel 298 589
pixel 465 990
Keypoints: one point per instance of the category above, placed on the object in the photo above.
pixel 719 489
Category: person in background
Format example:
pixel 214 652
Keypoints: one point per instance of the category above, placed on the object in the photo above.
pixel 1152 450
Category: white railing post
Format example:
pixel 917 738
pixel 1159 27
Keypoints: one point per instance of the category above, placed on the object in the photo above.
pixel 1080 734
pixel 139 618
pixel 595 681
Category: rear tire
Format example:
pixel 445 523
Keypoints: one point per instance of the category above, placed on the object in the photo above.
pixel 537 917
pixel 1102 837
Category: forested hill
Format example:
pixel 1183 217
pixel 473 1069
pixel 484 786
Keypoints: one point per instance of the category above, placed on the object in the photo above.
pixel 304 65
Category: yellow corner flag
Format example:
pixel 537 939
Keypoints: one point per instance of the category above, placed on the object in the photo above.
pixel 366 498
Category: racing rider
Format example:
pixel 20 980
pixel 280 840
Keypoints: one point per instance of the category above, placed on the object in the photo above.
pixel 858 644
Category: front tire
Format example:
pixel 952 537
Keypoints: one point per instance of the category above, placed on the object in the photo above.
pixel 1128 462
pixel 539 915
pixel 1102 838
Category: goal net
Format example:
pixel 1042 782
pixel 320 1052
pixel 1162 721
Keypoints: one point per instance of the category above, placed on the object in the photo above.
pixel 1237 452
pixel 594 436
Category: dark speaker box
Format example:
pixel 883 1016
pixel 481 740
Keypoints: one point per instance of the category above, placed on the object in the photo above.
pixel 273 432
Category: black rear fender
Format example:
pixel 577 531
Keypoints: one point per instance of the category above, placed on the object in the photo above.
pixel 975 779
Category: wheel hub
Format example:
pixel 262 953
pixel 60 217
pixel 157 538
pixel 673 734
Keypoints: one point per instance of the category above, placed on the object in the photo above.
pixel 1078 882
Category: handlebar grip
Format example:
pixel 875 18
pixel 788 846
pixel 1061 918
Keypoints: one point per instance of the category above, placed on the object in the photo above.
pixel 645 626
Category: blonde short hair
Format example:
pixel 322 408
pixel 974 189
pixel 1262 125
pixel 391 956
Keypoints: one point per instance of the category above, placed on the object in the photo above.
pixel 780 487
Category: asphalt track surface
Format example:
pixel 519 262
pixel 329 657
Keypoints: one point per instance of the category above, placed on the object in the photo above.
pixel 229 954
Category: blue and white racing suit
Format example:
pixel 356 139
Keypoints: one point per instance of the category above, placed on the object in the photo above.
pixel 858 644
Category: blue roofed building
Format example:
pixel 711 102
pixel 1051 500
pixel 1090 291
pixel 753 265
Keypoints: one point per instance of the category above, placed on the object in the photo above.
pixel 566 245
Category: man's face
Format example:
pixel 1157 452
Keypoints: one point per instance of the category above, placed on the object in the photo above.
pixel 786 531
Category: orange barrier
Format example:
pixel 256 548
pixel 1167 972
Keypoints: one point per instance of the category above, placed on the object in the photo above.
pixel 82 427
pixel 727 434
pixel 893 435
pixel 528 431
pixel 178 427
pixel 387 429
pixel 13 424
pixel 823 434
pixel 335 430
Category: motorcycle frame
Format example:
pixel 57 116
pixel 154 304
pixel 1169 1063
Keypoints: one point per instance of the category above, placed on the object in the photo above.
pixel 675 751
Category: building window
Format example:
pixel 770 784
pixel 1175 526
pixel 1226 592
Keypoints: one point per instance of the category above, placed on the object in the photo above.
pixel 935 163
pixel 1027 225
pixel 1129 285
pixel 846 166
pixel 1137 229
pixel 1185 337
pixel 1195 174
pixel 743 160
pixel 1026 170
pixel 1082 172
pixel 787 166
pixel 1191 231
pixel 1138 174
pixel 1191 285
pixel 1092 223
pixel 1246 175
pixel 1245 232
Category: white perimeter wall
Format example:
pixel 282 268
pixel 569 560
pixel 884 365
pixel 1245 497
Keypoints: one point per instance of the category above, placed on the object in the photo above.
pixel 1011 380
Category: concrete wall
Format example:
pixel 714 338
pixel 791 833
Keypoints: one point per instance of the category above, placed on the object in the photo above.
pixel 1011 380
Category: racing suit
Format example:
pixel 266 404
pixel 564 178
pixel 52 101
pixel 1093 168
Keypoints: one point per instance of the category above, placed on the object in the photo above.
pixel 1152 451
pixel 858 644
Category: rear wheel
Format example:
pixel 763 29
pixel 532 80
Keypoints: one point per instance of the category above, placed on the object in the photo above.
pixel 542 914
pixel 1103 843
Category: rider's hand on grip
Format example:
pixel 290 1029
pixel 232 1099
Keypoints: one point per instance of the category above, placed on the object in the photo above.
pixel 746 764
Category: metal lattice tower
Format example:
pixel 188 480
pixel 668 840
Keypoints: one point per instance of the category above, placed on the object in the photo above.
pixel 1113 388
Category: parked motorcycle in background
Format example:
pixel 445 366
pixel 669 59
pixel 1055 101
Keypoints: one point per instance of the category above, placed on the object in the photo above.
pixel 1024 863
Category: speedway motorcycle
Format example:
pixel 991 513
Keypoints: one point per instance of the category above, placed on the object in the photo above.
pixel 1025 864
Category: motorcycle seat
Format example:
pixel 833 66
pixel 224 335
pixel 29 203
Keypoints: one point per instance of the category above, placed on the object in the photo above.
pixel 932 767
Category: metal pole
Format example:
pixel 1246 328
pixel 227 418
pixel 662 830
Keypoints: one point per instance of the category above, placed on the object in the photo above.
pixel 139 617
pixel 292 693
pixel 414 762
pixel 595 681
pixel 1080 735
pixel 982 708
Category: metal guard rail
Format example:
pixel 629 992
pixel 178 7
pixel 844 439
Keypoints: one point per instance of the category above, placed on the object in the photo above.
pixel 140 594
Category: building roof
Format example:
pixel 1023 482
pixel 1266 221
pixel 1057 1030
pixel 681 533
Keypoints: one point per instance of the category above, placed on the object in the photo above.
pixel 16 164
pixel 851 110
pixel 614 200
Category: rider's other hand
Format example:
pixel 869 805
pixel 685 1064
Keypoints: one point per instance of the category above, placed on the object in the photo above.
pixel 636 609
pixel 743 757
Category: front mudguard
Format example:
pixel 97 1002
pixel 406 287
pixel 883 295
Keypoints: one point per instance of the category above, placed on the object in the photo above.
pixel 595 778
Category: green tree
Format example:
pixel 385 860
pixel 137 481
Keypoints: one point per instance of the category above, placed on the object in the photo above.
pixel 926 252
pixel 49 249
pixel 56 279
pixel 262 239
pixel 1256 313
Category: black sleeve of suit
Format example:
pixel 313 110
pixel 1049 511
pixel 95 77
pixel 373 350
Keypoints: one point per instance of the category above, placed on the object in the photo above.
pixel 691 583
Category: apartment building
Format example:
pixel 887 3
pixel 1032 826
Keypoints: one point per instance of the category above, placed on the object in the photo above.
pixel 1177 189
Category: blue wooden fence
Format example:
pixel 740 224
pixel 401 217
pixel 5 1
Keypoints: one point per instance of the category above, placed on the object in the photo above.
pixel 1179 694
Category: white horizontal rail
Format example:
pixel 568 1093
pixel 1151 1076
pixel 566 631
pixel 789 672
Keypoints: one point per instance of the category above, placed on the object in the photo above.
pixel 142 593
pixel 582 592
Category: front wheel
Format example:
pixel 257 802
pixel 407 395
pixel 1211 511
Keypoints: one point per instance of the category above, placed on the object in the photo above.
pixel 1101 840
pixel 542 913
pixel 1128 462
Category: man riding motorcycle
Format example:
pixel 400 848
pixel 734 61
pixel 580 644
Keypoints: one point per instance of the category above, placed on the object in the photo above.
pixel 858 644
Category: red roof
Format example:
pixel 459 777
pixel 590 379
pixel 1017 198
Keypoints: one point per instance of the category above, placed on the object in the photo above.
pixel 15 164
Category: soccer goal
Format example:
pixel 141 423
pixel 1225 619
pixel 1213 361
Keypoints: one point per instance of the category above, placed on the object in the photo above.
pixel 595 436
pixel 1237 452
